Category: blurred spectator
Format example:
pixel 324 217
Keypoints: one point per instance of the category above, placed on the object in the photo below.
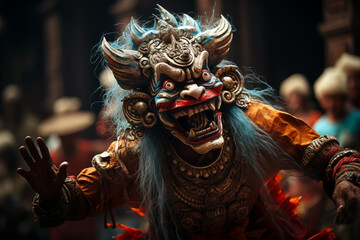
pixel 66 144
pixel 14 117
pixel 331 92
pixel 350 65
pixel 296 92
pixel 16 220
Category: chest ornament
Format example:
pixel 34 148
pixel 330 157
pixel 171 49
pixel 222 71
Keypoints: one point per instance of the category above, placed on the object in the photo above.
pixel 208 197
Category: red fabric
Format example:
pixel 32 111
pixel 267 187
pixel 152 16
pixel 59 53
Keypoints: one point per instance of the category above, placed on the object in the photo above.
pixel 289 207
pixel 129 233
pixel 325 234
pixel 331 153
pixel 140 211
pixel 283 210
pixel 331 173
pixel 264 229
pixel 352 158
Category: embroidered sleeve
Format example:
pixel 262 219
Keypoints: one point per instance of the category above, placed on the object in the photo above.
pixel 314 160
pixel 342 164
pixel 319 156
pixel 120 161
pixel 52 216
pixel 98 189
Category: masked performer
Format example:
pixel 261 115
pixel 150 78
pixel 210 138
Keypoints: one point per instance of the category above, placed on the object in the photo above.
pixel 198 146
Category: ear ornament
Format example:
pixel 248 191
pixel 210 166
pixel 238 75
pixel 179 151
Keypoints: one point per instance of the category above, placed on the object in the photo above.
pixel 233 86
pixel 137 110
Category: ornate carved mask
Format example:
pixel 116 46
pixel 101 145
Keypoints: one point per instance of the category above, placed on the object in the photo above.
pixel 173 61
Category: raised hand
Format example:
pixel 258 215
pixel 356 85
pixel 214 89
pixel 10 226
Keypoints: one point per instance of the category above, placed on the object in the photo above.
pixel 44 176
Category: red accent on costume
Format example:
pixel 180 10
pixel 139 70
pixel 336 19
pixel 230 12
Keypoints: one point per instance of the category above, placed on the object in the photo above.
pixel 325 234
pixel 287 220
pixel 352 158
pixel 287 205
pixel 129 233
pixel 340 165
pixel 140 211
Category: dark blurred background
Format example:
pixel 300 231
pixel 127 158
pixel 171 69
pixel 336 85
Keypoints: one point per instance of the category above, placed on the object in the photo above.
pixel 46 45
pixel 48 51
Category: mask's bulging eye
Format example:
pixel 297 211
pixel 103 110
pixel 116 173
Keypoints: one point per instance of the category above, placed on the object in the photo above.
pixel 169 85
pixel 205 75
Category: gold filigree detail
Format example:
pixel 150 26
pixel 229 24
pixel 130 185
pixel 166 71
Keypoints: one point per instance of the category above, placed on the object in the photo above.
pixel 205 201
pixel 204 172
pixel 318 148
pixel 145 65
pixel 171 43
pixel 136 108
pixel 233 86
pixel 243 100
pixel 110 164
pixel 133 134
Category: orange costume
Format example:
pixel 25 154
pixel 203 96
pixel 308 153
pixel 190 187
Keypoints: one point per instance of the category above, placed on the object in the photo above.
pixel 113 182
pixel 198 146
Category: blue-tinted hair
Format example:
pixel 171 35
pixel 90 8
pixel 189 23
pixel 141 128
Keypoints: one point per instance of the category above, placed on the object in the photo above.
pixel 251 143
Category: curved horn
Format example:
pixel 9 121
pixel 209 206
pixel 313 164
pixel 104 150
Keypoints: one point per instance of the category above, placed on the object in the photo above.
pixel 138 34
pixel 124 64
pixel 166 16
pixel 199 63
pixel 174 73
pixel 189 24
pixel 217 41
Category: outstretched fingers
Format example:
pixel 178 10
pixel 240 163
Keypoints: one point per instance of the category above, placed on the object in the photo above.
pixel 26 156
pixel 32 148
pixel 62 171
pixel 43 148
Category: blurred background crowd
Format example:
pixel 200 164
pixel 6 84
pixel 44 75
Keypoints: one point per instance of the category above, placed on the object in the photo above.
pixel 50 77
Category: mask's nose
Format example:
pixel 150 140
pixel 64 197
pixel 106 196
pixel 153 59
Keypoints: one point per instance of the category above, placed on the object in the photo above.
pixel 192 91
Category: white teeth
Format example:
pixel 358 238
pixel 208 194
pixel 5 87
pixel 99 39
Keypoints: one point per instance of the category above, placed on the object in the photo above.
pixel 212 106
pixel 191 112
pixel 192 133
pixel 196 109
pixel 213 125
pixel 219 102
pixel 203 131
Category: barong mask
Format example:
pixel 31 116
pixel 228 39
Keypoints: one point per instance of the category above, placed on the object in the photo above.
pixel 169 68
